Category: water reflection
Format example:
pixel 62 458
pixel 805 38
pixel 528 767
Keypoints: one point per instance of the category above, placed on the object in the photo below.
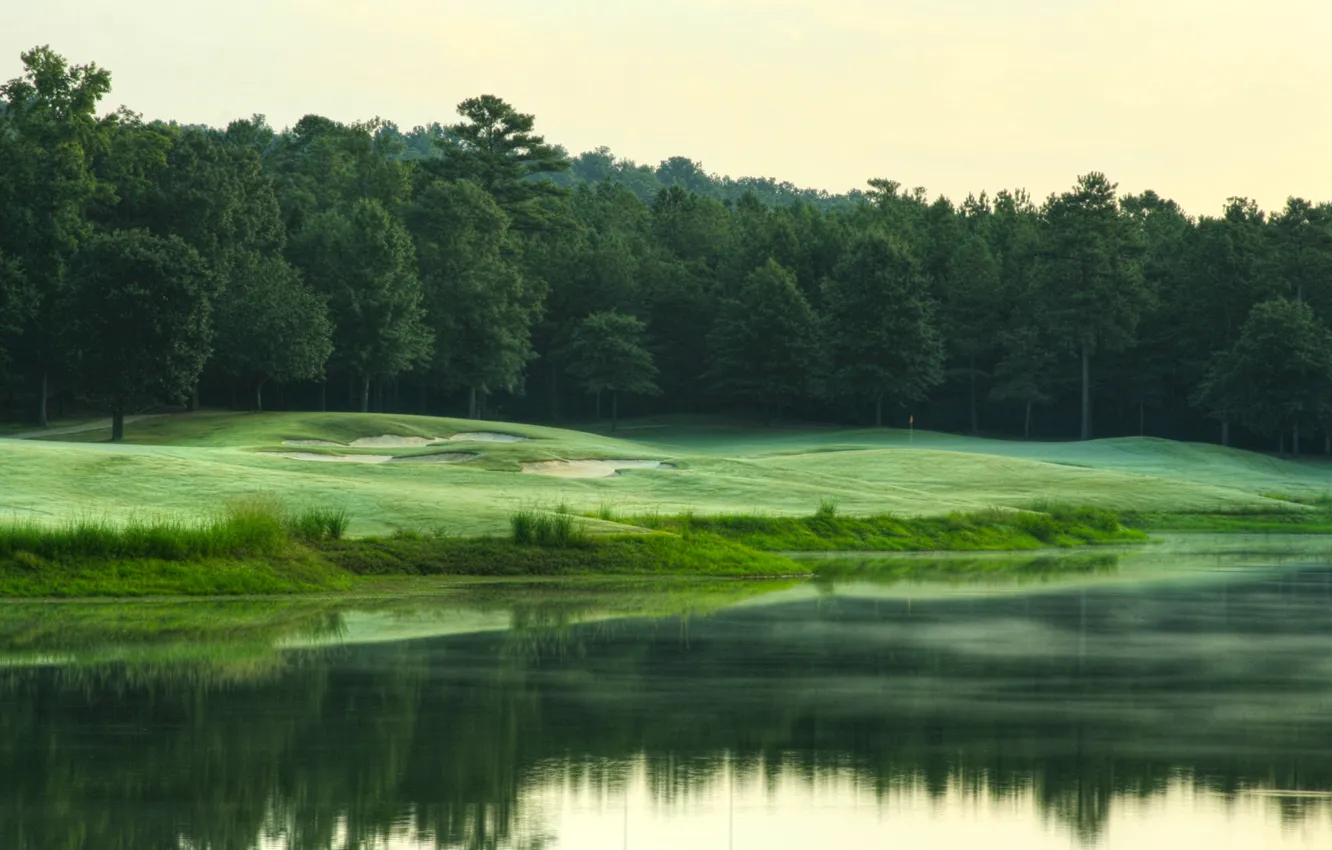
pixel 1095 713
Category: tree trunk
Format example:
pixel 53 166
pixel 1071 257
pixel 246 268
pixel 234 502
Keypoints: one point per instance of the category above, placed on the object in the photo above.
pixel 1295 441
pixel 365 393
pixel 1225 431
pixel 1026 422
pixel 598 394
pixel 878 411
pixel 471 403
pixel 975 414
pixel 1281 443
pixel 192 400
pixel 117 425
pixel 554 391
pixel 1086 393
pixel 259 394
pixel 42 420
pixel 231 394
pixel 615 410
pixel 323 395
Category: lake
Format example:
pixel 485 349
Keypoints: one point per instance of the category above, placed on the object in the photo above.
pixel 1181 697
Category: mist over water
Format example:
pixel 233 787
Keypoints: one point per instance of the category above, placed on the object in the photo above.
pixel 1142 714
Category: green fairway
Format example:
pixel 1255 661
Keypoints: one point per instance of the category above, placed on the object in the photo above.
pixel 191 463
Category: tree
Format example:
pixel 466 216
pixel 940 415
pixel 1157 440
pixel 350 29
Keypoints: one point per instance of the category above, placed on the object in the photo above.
pixel 1091 275
pixel 972 311
pixel 1301 255
pixel 1278 374
pixel 479 306
pixel 137 317
pixel 764 341
pixel 52 134
pixel 1023 371
pixel 270 325
pixel 878 326
pixel 18 302
pixel 362 262
pixel 606 354
pixel 496 148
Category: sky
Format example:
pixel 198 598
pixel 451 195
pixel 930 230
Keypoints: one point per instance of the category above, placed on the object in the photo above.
pixel 1199 100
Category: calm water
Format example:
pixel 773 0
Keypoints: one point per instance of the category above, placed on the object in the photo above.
pixel 1181 703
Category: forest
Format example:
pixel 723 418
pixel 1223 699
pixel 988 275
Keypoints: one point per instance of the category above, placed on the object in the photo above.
pixel 475 268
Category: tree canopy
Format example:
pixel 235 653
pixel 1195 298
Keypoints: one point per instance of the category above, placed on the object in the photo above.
pixel 473 266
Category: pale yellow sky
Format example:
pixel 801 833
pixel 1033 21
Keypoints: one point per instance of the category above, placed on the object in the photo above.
pixel 1197 99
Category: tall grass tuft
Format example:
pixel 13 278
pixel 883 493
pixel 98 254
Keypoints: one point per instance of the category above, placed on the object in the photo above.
pixel 244 527
pixel 556 529
pixel 312 525
pixel 827 509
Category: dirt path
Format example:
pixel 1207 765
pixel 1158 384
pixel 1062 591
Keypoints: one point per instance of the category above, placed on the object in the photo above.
pixel 80 429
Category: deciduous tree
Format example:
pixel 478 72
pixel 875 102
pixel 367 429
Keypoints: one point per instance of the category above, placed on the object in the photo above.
pixel 606 354
pixel 136 323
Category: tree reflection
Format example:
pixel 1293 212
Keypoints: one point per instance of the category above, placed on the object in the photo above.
pixel 1078 700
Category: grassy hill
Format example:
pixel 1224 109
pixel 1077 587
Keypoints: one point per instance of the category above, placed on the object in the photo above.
pixel 191 463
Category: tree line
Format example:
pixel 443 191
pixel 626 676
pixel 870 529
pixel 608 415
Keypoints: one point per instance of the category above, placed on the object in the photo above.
pixel 476 268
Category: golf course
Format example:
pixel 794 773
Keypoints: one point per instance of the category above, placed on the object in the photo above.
pixel 393 472
pixel 241 503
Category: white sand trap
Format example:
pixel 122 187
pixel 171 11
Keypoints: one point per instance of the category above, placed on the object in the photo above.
pixel 324 443
pixel 443 457
pixel 390 441
pixel 333 458
pixel 487 437
pixel 590 468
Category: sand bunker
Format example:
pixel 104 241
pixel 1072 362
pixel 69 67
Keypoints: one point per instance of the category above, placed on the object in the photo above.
pixel 590 468
pixel 442 457
pixel 391 441
pixel 487 437
pixel 333 458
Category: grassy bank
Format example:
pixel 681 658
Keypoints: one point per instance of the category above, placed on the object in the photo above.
pixel 827 531
pixel 256 546
pixel 253 546
pixel 638 554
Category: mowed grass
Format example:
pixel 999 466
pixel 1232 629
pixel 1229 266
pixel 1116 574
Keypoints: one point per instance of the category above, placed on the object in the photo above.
pixel 191 463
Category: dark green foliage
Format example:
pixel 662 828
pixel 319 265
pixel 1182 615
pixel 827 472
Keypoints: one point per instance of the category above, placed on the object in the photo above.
pixel 765 341
pixel 495 147
pixel 606 354
pixel 878 326
pixel 270 325
pixel 478 306
pixel 361 259
pixel 137 326
pixel 1090 275
pixel 49 137
pixel 1278 374
pixel 459 265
